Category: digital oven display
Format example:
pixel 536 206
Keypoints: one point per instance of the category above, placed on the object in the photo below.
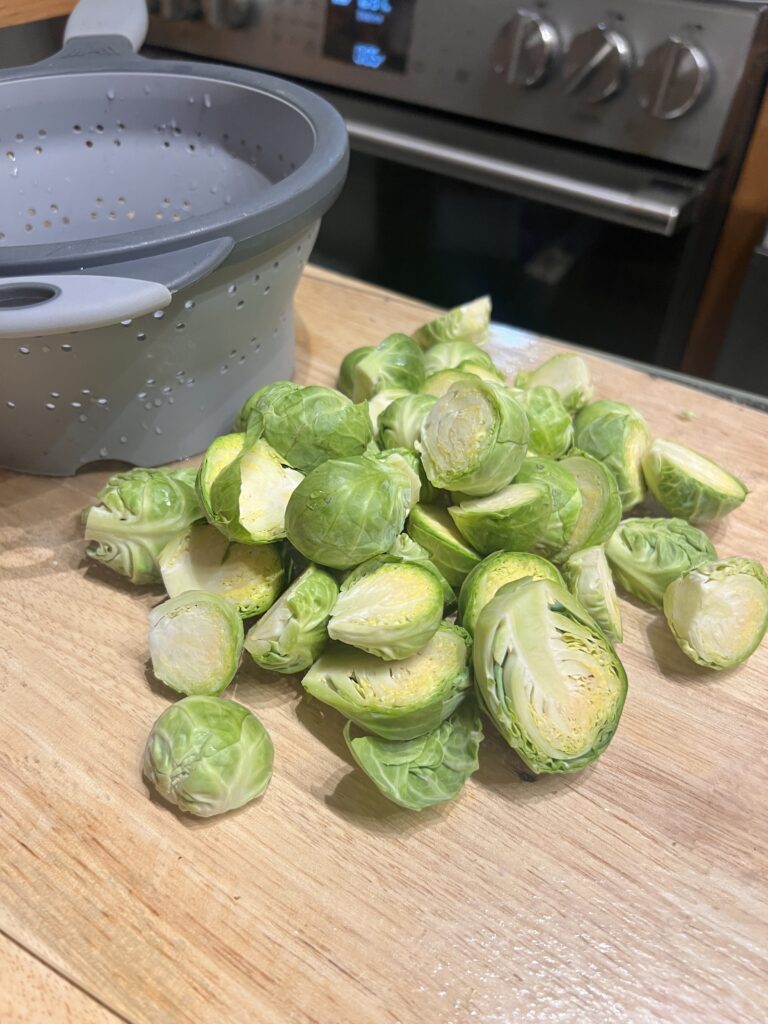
pixel 370 33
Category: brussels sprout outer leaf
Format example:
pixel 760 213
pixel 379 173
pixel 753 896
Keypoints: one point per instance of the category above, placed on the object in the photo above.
pixel 618 436
pixel 565 503
pixel 600 502
pixel 550 423
pixel 487 578
pixel 567 373
pixel 396 363
pixel 262 400
pixel 688 484
pixel 457 355
pixel 512 520
pixel 347 369
pixel 469 322
pixel 432 528
pixel 440 383
pixel 400 423
pixel 589 579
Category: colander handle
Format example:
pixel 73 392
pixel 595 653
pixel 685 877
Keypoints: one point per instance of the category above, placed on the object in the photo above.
pixel 126 18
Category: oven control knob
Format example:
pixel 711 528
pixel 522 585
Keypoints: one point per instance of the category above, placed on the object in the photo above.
pixel 596 64
pixel 525 48
pixel 230 13
pixel 672 78
pixel 180 10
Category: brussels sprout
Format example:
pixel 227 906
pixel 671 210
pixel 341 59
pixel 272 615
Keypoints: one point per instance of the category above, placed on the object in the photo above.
pixel 589 579
pixel 618 436
pixel 646 555
pixel 405 549
pixel 263 399
pixel 293 632
pixel 208 756
pixel 381 402
pixel 195 642
pixel 390 611
pixel 547 675
pixel 440 383
pixel 600 502
pixel 689 485
pixel 249 575
pixel 718 611
pixel 513 519
pixel 396 363
pixel 221 452
pixel 400 423
pixel 469 322
pixel 432 528
pixel 395 699
pixel 408 465
pixel 487 578
pixel 566 504
pixel 491 374
pixel 347 368
pixel 139 512
pixel 567 373
pixel 549 421
pixel 350 509
pixel 474 438
pixel 457 355
pixel 428 769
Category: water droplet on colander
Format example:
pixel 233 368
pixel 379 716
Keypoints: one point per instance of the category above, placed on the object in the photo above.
pixel 66 348
pixel 76 405
pixel 158 314
pixel 103 452
pixel 24 350
pixel 82 418
pixel 11 405
pixel 207 101
pixel 11 155
pixel 123 439
pixel 189 304
pixel 158 430
pixel 101 401
pixel 126 323
pixel 110 94
pixel 147 405
pixel 157 403
pixel 50 405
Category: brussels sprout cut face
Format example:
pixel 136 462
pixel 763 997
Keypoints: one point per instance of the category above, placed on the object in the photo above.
pixel 487 578
pixel 618 436
pixel 547 676
pixel 469 323
pixel 589 578
pixel 208 756
pixel 381 402
pixel 600 502
pixel 718 612
pixel 432 528
pixel 568 374
pixel 513 519
pixel 689 485
pixel 565 504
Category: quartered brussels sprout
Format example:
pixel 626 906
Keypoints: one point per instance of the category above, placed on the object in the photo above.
pixel 567 373
pixel 195 642
pixel 618 436
pixel 600 502
pixel 689 485
pixel 347 368
pixel 350 509
pixel 400 423
pixel 550 423
pixel 440 383
pixel 548 677
pixel 718 611
pixel 432 528
pixel 389 610
pixel 138 513
pixel 589 579
pixel 487 578
pixel 293 632
pixel 513 519
pixel 469 322
pixel 202 558
pixel 565 504
pixel 474 438
pixel 379 404
pixel 395 363
pixel 428 769
pixel 457 355
pixel 395 699
pixel 221 452
pixel 647 554
pixel 208 756
pixel 263 399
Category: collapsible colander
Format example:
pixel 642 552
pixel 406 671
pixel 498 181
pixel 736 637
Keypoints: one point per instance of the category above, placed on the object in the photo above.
pixel 155 217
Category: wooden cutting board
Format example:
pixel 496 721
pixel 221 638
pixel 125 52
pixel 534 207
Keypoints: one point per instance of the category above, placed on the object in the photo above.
pixel 634 891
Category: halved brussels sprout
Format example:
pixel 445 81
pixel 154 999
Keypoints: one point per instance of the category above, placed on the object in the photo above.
pixel 293 633
pixel 395 363
pixel 600 502
pixel 647 554
pixel 391 611
pixel 263 399
pixel 618 436
pixel 400 423
pixel 511 520
pixel 565 503
pixel 474 438
pixel 432 528
pixel 549 422
pixel 689 485
pixel 405 549
pixel 718 612
pixel 395 699
pixel 202 558
pixel 440 383
pixel 381 402
pixel 208 756
pixel 469 322
pixel 428 769
pixel 589 579
pixel 139 511
pixel 548 677
pixel 487 578
pixel 195 642
pixel 567 373
pixel 457 355
pixel 347 368
pixel 221 452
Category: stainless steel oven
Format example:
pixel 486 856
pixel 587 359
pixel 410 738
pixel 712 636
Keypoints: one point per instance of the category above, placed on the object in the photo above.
pixel 572 157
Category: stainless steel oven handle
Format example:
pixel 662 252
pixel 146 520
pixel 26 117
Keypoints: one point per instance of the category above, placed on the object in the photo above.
pixel 659 207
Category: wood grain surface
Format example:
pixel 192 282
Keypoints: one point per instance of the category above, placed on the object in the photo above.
pixel 634 891
pixel 18 12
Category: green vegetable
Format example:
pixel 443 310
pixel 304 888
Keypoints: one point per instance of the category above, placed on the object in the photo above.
pixel 432 528
pixel 379 404
pixel 487 578
pixel 250 576
pixel 567 373
pixel 221 452
pixel 395 699
pixel 474 438
pixel 400 423
pixel 440 383
pixel 689 485
pixel 547 675
pixel 589 579
pixel 600 502
pixel 512 520
pixel 565 504
pixel 263 399
pixel 457 355
pixel 396 363
pixel 428 769
pixel 293 633
pixel 195 642
pixel 618 436
pixel 405 549
pixel 469 322
pixel 718 611
pixel 549 421
pixel 208 756
pixel 646 555
pixel 347 368
pixel 139 512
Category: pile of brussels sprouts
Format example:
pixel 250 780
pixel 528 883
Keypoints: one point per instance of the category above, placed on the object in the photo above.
pixel 423 545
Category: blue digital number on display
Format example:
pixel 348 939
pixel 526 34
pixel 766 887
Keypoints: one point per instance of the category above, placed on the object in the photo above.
pixel 367 55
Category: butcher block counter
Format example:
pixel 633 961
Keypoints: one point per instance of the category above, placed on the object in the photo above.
pixel 634 891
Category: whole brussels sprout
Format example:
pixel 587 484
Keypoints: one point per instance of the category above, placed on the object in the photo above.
pixel 549 422
pixel 512 520
pixel 567 373
pixel 647 554
pixel 347 368
pixel 221 452
pixel 428 769
pixel 600 502
pixel 474 438
pixel 395 363
pixel 395 699
pixel 138 513
pixel 618 436
pixel 432 528
pixel 718 611
pixel 565 504
pixel 469 323
pixel 548 676
pixel 263 399
pixel 440 383
pixel 487 578
pixel 689 485
pixel 457 355
pixel 400 423
pixel 208 756
pixel 589 579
